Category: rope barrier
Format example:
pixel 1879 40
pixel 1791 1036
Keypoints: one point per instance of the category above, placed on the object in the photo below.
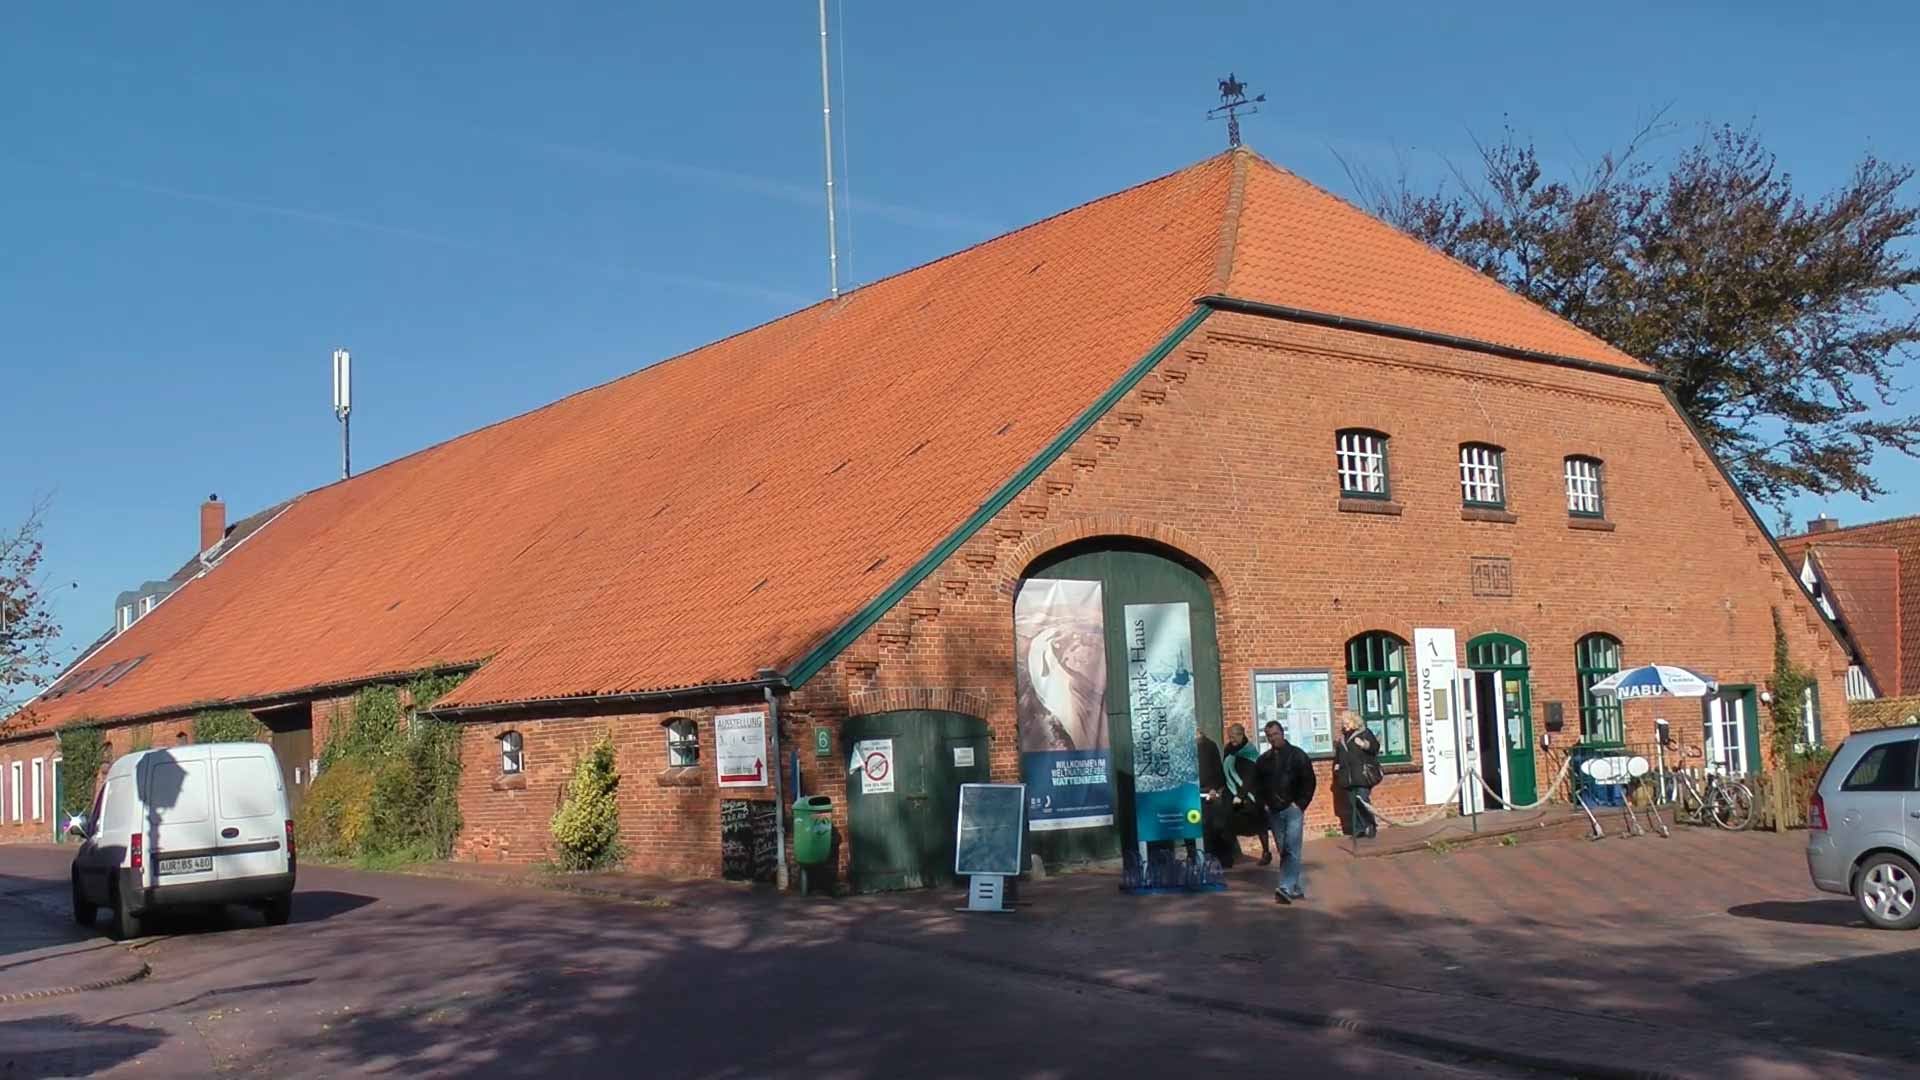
pixel 1446 803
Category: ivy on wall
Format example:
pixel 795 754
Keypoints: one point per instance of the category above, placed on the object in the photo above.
pixel 227 725
pixel 388 786
pixel 83 751
pixel 1790 682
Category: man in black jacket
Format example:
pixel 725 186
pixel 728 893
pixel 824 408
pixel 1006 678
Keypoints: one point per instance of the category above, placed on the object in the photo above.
pixel 1286 790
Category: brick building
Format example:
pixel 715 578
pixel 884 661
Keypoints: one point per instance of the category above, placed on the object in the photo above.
pixel 1292 441
pixel 1866 578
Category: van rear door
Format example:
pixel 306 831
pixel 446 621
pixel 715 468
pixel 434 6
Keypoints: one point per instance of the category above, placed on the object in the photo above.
pixel 177 816
pixel 252 812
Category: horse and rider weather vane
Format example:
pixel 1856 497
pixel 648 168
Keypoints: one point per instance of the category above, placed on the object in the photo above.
pixel 1233 98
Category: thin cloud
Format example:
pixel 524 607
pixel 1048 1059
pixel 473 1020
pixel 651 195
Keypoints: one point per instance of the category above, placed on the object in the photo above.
pixel 780 190
pixel 294 213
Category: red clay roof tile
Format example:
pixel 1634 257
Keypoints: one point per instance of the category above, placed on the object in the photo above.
pixel 728 509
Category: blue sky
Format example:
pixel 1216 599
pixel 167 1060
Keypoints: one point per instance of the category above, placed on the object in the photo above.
pixel 494 207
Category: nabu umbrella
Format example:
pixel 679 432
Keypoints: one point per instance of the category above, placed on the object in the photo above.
pixel 1655 680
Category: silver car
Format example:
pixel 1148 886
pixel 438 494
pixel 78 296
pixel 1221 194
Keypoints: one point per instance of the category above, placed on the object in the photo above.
pixel 1863 827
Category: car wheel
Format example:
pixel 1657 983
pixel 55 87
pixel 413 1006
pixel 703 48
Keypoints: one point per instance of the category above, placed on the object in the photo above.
pixel 278 909
pixel 83 912
pixel 1888 890
pixel 126 925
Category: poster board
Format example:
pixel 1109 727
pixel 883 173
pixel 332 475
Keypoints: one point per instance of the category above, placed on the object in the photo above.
pixel 1060 679
pixel 740 749
pixel 1302 701
pixel 990 829
pixel 1436 671
pixel 749 840
pixel 1160 701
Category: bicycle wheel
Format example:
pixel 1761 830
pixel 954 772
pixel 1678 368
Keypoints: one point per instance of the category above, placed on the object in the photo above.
pixel 1731 803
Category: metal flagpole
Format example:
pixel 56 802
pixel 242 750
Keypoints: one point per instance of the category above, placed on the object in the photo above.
pixel 826 127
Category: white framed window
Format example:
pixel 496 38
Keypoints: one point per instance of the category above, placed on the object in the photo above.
pixel 14 789
pixel 38 801
pixel 1583 487
pixel 683 743
pixel 512 759
pixel 126 617
pixel 1482 475
pixel 1810 717
pixel 1361 457
pixel 147 603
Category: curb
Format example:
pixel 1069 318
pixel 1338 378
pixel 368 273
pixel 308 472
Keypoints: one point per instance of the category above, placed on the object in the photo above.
pixel 142 972
pixel 1313 1018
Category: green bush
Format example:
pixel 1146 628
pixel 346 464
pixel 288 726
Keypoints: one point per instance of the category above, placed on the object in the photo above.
pixel 586 828
pixel 83 750
pixel 334 816
pixel 388 787
pixel 1790 682
pixel 227 725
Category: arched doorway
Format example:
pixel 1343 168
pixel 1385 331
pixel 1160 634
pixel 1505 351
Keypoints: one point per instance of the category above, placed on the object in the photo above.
pixel 1503 710
pixel 1163 592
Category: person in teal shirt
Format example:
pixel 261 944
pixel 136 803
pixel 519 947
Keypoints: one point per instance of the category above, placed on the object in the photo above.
pixel 1247 816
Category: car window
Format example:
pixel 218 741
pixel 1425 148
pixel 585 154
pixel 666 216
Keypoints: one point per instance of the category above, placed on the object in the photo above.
pixel 92 825
pixel 1887 767
pixel 249 787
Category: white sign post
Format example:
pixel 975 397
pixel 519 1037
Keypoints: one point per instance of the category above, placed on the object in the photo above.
pixel 740 749
pixel 1435 667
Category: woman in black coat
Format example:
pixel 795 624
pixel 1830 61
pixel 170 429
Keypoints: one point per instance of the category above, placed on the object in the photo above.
pixel 1356 767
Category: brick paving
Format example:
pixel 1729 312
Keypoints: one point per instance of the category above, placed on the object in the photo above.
pixel 1704 954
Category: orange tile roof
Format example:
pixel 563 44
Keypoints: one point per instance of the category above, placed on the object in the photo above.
pixel 727 510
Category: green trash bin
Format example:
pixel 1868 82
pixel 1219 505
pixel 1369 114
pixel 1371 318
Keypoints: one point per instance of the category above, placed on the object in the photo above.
pixel 812 829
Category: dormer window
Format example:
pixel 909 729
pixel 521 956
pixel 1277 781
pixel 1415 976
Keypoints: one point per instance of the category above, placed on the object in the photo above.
pixel 125 618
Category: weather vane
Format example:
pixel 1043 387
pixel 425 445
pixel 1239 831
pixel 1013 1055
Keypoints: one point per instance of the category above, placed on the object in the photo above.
pixel 1233 98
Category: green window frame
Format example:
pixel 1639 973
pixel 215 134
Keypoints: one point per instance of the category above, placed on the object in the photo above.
pixel 1360 460
pixel 1377 690
pixel 1595 657
pixel 1483 476
pixel 1586 487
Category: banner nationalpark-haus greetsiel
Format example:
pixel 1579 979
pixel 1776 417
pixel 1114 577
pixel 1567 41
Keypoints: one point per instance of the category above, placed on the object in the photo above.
pixel 1166 762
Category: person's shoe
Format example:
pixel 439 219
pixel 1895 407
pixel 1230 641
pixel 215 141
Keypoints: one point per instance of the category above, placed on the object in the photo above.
pixel 1280 897
pixel 1299 894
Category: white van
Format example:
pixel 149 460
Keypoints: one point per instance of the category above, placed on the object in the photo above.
pixel 190 825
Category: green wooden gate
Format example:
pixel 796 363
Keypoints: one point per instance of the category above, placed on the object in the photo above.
pixel 903 838
pixel 1132 572
pixel 1506 657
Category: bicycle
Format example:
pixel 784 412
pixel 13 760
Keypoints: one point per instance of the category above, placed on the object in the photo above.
pixel 1702 796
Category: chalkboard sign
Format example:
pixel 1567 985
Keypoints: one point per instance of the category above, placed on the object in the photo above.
pixel 749 840
pixel 991 829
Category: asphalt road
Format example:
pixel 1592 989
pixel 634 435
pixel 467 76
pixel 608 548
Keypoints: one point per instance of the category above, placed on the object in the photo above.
pixel 395 975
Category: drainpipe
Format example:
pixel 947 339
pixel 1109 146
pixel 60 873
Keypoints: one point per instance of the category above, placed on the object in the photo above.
pixel 779 802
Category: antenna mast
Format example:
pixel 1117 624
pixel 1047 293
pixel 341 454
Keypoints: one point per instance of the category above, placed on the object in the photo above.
pixel 1233 98
pixel 826 126
pixel 343 407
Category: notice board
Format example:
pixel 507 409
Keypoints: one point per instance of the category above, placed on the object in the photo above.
pixel 990 829
pixel 749 840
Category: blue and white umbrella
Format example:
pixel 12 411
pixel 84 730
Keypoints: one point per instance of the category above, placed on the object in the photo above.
pixel 1655 680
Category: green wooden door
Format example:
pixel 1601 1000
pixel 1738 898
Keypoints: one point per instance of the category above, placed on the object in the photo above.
pixel 902 838
pixel 1132 572
pixel 1506 657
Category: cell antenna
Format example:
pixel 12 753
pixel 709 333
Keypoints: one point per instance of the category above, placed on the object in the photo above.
pixel 343 407
pixel 826 126
pixel 1233 99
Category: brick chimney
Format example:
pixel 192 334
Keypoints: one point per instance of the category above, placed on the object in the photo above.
pixel 213 522
pixel 1822 524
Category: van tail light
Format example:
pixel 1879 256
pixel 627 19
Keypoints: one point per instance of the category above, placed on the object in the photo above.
pixel 1817 814
pixel 138 847
pixel 289 839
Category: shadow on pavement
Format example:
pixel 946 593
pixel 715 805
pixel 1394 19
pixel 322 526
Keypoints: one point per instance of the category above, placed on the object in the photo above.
pixel 69 1045
pixel 309 906
pixel 1802 912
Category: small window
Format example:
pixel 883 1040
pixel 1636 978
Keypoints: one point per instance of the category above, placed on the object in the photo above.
pixel 683 743
pixel 126 617
pixel 1810 717
pixel 1887 767
pixel 147 603
pixel 1482 479
pixel 1362 460
pixel 1583 488
pixel 511 760
pixel 1377 683
pixel 1595 657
